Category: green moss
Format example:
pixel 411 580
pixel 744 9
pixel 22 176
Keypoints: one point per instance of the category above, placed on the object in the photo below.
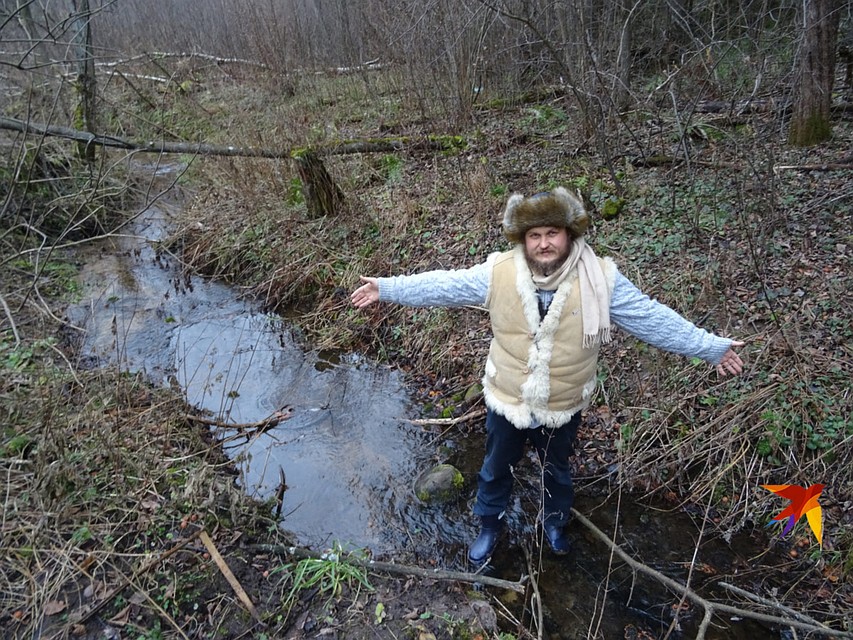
pixel 450 143
pixel 17 445
pixel 612 207
pixel 815 129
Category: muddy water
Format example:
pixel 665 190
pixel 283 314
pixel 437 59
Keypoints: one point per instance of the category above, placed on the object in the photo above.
pixel 348 453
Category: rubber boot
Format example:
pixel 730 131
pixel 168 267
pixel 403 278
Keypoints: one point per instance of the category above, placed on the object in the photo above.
pixel 484 545
pixel 555 535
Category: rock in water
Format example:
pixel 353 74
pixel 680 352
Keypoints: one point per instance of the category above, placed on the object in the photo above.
pixel 440 484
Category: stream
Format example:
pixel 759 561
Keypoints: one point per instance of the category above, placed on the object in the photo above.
pixel 350 455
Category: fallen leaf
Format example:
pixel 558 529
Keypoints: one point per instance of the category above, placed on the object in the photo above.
pixel 54 606
pixel 121 618
pixel 150 505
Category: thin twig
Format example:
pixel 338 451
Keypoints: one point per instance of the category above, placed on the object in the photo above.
pixel 68 362
pixel 11 321
pixel 829 166
pixel 450 421
pixel 673 625
pixel 536 597
pixel 229 575
pixel 775 605
pixel 270 421
pixel 127 581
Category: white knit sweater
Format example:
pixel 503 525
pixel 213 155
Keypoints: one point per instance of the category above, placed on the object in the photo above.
pixel 630 309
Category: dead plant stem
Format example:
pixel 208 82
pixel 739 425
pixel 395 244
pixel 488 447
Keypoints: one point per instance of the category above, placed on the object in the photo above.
pixel 536 597
pixel 673 624
pixel 128 581
pixel 613 547
pixel 11 321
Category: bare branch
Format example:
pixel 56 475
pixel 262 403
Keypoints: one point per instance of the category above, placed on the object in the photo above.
pixel 710 607
pixel 11 321
pixel 397 569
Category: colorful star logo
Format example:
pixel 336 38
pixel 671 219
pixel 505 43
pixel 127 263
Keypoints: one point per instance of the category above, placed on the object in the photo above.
pixel 803 502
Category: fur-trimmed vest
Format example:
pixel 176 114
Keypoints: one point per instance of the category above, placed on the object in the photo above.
pixel 537 373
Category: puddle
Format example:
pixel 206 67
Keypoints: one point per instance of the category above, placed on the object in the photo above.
pixel 349 454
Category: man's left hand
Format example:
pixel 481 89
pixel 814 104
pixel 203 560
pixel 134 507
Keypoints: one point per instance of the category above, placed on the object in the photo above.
pixel 731 362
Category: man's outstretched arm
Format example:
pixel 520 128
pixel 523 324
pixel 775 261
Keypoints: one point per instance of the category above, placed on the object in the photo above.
pixel 440 288
pixel 662 327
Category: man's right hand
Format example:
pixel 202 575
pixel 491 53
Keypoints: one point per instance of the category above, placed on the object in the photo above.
pixel 366 294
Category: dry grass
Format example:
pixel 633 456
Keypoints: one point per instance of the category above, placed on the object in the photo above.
pixel 102 475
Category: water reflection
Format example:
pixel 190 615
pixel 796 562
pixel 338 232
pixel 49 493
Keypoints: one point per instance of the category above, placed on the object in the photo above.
pixel 348 452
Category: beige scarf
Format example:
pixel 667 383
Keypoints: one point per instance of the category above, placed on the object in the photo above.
pixel 595 298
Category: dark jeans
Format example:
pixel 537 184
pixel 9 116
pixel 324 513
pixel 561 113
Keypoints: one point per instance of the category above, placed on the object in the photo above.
pixel 504 448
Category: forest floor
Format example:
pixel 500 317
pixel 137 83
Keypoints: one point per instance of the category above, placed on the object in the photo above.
pixel 117 503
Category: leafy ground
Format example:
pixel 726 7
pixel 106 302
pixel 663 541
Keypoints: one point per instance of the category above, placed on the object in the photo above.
pixel 106 475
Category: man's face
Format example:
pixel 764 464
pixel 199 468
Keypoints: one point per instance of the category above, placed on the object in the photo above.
pixel 546 248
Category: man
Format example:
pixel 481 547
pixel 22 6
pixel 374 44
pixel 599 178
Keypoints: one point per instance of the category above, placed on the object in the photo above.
pixel 551 303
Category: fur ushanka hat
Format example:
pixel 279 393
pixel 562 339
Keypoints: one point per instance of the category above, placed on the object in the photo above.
pixel 557 208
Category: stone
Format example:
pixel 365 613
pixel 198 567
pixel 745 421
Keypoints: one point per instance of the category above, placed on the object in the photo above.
pixel 440 484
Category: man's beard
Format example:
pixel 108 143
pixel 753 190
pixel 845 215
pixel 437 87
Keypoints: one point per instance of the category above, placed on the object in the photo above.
pixel 546 267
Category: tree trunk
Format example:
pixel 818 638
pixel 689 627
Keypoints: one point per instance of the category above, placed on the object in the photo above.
pixel 810 122
pixel 622 77
pixel 322 196
pixel 85 114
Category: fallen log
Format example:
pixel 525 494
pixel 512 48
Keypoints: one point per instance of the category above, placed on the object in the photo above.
pixel 160 147
pixel 381 145
pixel 162 55
pixel 322 195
